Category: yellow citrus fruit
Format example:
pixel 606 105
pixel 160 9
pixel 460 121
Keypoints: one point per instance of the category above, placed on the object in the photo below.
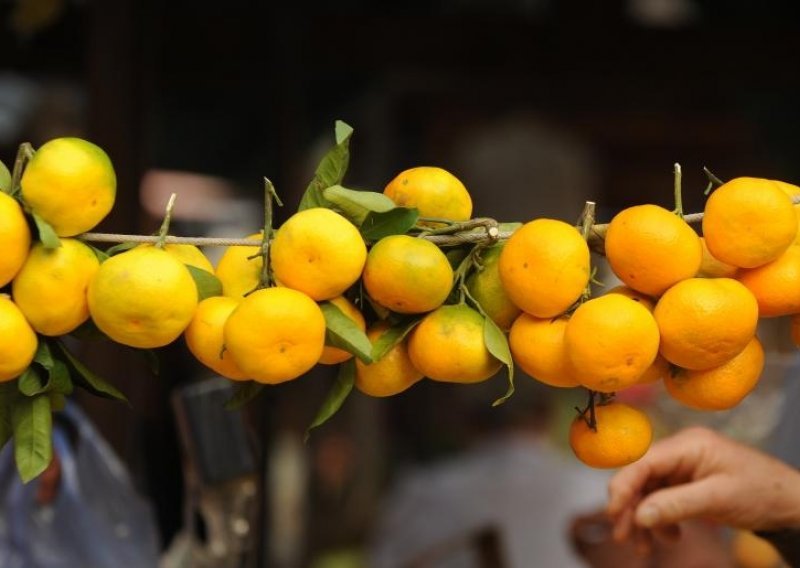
pixel 776 285
pixel 752 551
pixel 611 341
pixel 15 237
pixel 719 388
pixel 704 322
pixel 712 267
pixel 434 191
pixel 334 355
pixel 622 436
pixel 318 252
pixel 544 267
pixel 390 375
pixel 407 274
pixel 18 341
pixel 205 339
pixel 275 334
pixel 239 269
pixel 51 287
pixel 537 346
pixel 650 248
pixel 792 191
pixel 485 286
pixel 188 254
pixel 634 295
pixel 658 371
pixel 143 297
pixel 448 346
pixel 71 184
pixel 749 222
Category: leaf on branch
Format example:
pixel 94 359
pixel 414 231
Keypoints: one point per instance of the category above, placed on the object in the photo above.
pixel 8 396
pixel 46 233
pixel 32 423
pixel 342 332
pixel 392 337
pixel 30 382
pixel 339 392
pixel 356 205
pixel 208 285
pixel 121 247
pixel 88 380
pixel 5 179
pixel 397 221
pixel 101 255
pixel 330 170
pixel 244 392
pixel 43 355
pixel 497 344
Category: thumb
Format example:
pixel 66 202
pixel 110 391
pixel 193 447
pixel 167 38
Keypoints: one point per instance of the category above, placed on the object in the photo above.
pixel 675 504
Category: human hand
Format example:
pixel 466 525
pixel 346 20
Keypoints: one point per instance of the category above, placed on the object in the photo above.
pixel 698 473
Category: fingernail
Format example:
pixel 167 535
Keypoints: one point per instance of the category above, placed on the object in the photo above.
pixel 647 516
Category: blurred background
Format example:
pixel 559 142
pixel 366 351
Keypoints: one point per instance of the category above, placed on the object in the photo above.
pixel 536 105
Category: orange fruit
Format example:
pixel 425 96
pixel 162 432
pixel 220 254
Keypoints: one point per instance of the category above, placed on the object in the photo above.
pixel 752 551
pixel 537 346
pixel 433 191
pixel 634 295
pixel 239 269
pixel 622 436
pixel 719 388
pixel 485 287
pixel 15 237
pixel 205 339
pixel 407 274
pixel 792 191
pixel 318 252
pixel 390 375
pixel 334 355
pixel 544 267
pixel 712 267
pixel 448 346
pixel 188 254
pixel 275 334
pixel 611 341
pixel 776 285
pixel 749 222
pixel 650 248
pixel 704 322
pixel 18 341
pixel 659 370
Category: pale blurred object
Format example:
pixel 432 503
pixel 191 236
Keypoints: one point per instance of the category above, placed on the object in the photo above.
pixel 33 16
pixel 662 13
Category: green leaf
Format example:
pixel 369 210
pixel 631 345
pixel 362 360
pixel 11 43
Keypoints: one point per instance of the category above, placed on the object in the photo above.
pixel 88 380
pixel 392 337
pixel 330 170
pixel 152 360
pixel 8 396
pixel 32 422
pixel 5 179
pixel 101 255
pixel 497 344
pixel 46 233
pixel 207 284
pixel 345 380
pixel 356 205
pixel 57 401
pixel 342 332
pixel 43 355
pixel 59 379
pixel 396 221
pixel 30 382
pixel 509 227
pixel 244 392
pixel 121 247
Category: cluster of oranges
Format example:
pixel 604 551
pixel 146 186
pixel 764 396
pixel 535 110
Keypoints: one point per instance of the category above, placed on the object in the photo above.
pixel 318 292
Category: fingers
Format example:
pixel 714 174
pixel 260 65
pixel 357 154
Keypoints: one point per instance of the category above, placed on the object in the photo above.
pixel 675 504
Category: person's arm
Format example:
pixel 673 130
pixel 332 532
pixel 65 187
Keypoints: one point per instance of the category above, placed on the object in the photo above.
pixel 698 473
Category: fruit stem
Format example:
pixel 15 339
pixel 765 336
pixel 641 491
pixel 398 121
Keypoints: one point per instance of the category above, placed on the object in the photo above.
pixel 491 226
pixel 460 275
pixel 678 190
pixel 162 232
pixel 24 153
pixel 712 180
pixel 265 278
pixel 586 222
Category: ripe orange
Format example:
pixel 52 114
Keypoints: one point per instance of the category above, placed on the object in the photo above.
pixel 712 267
pixel 792 191
pixel 776 285
pixel 189 255
pixel 407 274
pixel 318 252
pixel 239 269
pixel 643 299
pixel 485 286
pixel 544 267
pixel 433 191
pixel 334 355
pixel 623 435
pixel 18 341
pixel 275 334
pixel 749 222
pixel 719 388
pixel 650 248
pixel 448 346
pixel 658 371
pixel 752 551
pixel 204 336
pixel 390 375
pixel 611 341
pixel 537 346
pixel 15 237
pixel 704 322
